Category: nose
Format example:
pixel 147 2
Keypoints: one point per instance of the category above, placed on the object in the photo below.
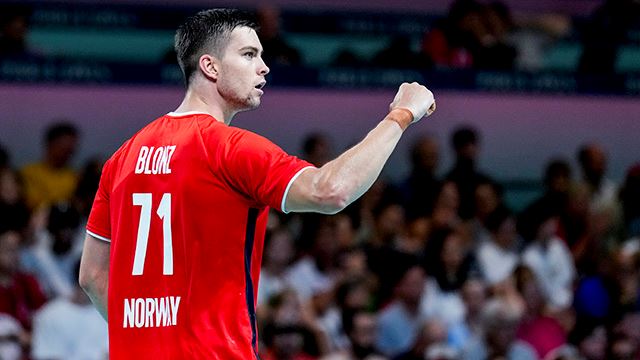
pixel 263 69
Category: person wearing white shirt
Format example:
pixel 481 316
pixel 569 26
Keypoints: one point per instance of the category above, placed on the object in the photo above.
pixel 69 329
pixel 496 255
pixel 550 259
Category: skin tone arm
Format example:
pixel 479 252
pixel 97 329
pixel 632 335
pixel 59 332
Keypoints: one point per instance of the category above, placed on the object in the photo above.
pixel 338 183
pixel 94 272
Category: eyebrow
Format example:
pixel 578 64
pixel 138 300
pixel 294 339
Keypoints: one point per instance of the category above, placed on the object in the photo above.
pixel 252 48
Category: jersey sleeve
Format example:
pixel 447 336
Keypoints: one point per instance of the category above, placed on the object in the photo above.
pixel 260 169
pixel 99 222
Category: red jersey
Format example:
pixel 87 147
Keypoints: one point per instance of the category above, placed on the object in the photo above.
pixel 184 204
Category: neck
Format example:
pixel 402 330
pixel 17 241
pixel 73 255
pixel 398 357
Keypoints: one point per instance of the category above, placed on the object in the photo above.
pixel 207 101
pixel 52 163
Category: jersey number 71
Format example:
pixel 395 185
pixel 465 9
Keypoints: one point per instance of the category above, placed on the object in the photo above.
pixel 164 212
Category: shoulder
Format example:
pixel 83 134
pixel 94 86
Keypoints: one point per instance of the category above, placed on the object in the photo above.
pixel 248 138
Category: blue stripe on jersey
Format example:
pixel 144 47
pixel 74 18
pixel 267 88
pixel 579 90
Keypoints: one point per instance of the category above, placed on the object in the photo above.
pixel 248 252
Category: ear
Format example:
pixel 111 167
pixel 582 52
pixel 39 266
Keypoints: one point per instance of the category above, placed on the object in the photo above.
pixel 210 66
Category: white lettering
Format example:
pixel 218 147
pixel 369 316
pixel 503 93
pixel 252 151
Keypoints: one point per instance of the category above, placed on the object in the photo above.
pixel 152 160
pixel 139 308
pixel 148 319
pixel 148 160
pixel 162 162
pixel 129 313
pixel 157 158
pixel 170 150
pixel 162 312
pixel 144 151
pixel 151 312
pixel 174 309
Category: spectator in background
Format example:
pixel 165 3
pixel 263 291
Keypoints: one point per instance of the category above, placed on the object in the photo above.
pixel 497 339
pixel 70 329
pixel 497 255
pixel 630 200
pixel 13 338
pixel 291 330
pixel 593 164
pixel 278 254
pixel 14 213
pixel 400 55
pixel 557 182
pixel 399 322
pixel 550 260
pixel 488 198
pixel 495 52
pixel 20 293
pixel 574 217
pixel 360 327
pixel 52 179
pixel 316 270
pixel 446 208
pixel 14 26
pixel 51 256
pixel 626 289
pixel 448 45
pixel 624 338
pixel 316 149
pixel 420 188
pixel 448 264
pixel 474 295
pixel 541 331
pixel 603 35
pixel 464 174
pixel 276 49
pixel 386 257
pixel 431 343
pixel 590 339
pixel 473 35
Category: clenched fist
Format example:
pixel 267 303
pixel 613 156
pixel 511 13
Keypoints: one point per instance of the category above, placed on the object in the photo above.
pixel 416 98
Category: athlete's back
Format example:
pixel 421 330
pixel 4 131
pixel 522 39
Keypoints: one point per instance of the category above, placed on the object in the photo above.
pixel 184 204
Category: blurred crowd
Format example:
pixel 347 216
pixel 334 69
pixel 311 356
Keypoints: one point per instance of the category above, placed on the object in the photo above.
pixel 434 267
pixel 474 34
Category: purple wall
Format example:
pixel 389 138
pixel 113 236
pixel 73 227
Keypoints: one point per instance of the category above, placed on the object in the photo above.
pixel 519 133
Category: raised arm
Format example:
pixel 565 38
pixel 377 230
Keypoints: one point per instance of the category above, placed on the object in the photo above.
pixel 94 272
pixel 338 183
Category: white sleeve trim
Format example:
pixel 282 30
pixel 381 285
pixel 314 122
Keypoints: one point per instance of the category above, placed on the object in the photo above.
pixel 286 191
pixel 98 236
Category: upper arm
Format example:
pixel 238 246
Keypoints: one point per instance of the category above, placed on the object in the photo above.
pixel 307 194
pixel 298 198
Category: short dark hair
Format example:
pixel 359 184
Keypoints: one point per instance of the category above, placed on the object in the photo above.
pixel 556 168
pixel 463 136
pixel 207 31
pixel 497 218
pixel 58 130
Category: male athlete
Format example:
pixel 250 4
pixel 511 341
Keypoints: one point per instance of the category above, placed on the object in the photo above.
pixel 175 236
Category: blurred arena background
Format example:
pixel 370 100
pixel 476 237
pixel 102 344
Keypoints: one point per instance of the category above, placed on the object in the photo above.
pixel 536 82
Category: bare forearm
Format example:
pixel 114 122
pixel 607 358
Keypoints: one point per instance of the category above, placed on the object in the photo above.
pixel 94 272
pixel 97 292
pixel 353 172
pixel 338 183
